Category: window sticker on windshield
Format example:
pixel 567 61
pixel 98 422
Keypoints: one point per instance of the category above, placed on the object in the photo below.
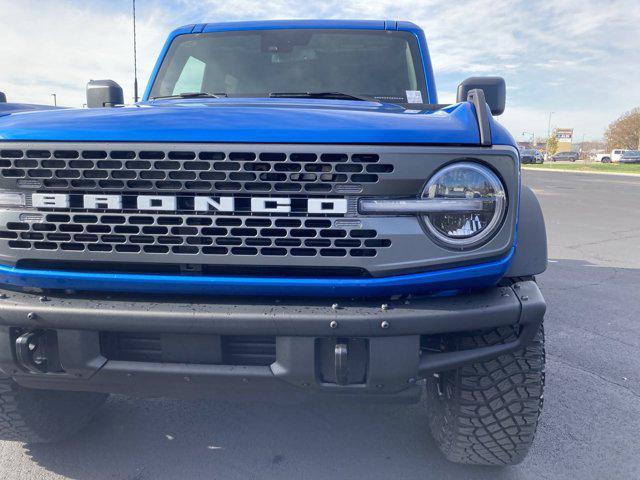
pixel 414 96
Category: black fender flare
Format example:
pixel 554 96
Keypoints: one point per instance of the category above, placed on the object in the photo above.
pixel 530 257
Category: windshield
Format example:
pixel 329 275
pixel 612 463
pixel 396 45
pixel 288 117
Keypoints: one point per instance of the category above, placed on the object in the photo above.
pixel 527 152
pixel 385 65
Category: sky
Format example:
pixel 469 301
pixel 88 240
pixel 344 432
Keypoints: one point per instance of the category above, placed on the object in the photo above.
pixel 579 59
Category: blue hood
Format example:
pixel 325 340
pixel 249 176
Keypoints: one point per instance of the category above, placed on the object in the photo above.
pixel 7 108
pixel 250 121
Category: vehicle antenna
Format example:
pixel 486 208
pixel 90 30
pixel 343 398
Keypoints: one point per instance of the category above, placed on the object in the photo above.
pixel 135 56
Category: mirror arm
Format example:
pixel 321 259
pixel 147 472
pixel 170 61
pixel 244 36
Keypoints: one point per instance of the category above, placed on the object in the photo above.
pixel 476 97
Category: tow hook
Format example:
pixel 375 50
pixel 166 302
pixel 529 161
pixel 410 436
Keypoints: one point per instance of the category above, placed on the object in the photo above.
pixel 31 350
pixel 342 369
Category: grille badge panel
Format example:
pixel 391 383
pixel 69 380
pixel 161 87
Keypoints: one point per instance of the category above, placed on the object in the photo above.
pixel 241 171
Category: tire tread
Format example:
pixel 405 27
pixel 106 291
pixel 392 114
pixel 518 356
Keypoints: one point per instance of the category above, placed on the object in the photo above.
pixel 487 412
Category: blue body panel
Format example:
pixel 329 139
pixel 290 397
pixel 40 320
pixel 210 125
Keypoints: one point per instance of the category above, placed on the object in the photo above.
pixel 500 135
pixel 475 276
pixel 249 120
pixel 7 108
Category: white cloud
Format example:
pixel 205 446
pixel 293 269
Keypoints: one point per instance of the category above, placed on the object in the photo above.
pixel 577 57
pixel 58 47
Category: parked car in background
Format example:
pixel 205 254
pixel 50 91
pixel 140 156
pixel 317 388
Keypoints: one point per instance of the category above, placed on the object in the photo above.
pixel 630 156
pixel 593 155
pixel 613 156
pixel 531 156
pixel 565 156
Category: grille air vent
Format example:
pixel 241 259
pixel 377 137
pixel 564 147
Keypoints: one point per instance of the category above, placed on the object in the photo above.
pixel 183 348
pixel 195 171
pixel 194 235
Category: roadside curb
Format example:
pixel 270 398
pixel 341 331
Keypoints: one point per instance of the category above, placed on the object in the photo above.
pixel 564 170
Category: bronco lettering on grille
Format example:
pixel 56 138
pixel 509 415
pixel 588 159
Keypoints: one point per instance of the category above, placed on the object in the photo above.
pixel 198 203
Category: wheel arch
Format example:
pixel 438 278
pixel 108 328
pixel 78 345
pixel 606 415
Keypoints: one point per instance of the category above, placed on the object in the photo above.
pixel 530 257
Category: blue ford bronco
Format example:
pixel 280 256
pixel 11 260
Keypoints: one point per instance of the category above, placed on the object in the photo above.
pixel 288 212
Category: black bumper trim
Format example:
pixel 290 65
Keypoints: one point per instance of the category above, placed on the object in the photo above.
pixel 393 331
pixel 220 382
pixel 531 316
pixel 488 308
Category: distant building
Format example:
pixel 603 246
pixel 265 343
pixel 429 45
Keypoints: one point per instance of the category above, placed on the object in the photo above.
pixel 565 139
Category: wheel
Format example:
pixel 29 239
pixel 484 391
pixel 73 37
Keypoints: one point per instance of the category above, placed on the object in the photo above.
pixel 605 160
pixel 40 416
pixel 487 413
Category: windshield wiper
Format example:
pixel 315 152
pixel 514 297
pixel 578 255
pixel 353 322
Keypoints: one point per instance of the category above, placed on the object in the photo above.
pixel 325 95
pixel 192 95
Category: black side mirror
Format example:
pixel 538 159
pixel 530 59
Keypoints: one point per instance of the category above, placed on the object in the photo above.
pixel 3 98
pixel 494 88
pixel 104 93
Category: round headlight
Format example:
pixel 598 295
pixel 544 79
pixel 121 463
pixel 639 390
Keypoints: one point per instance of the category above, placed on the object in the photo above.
pixel 478 188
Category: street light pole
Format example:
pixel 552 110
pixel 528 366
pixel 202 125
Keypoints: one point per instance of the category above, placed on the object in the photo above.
pixel 533 137
pixel 55 99
pixel 549 125
pixel 546 147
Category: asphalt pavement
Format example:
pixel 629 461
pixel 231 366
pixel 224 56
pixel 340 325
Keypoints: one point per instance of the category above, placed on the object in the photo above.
pixel 590 428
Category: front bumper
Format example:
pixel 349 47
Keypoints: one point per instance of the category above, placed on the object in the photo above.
pixel 392 332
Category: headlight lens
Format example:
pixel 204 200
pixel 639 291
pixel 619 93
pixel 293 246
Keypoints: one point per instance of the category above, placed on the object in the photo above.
pixel 466 180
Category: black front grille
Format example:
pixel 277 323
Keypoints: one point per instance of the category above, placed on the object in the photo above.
pixel 189 170
pixel 192 235
pixel 191 231
pixel 184 348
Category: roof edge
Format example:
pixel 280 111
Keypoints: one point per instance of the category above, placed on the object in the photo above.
pixel 299 23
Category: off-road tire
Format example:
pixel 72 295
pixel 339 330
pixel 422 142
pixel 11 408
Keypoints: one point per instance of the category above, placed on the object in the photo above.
pixel 486 413
pixel 41 416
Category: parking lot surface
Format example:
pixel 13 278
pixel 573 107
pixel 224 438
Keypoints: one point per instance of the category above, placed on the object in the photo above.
pixel 590 428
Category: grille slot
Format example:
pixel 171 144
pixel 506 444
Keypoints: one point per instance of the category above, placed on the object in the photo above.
pixel 193 235
pixel 190 170
pixel 248 350
pixel 132 347
pixel 183 348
